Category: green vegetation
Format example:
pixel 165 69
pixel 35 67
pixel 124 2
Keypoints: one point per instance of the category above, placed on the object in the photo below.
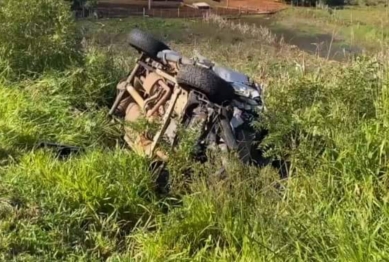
pixel 35 36
pixel 329 119
pixel 366 27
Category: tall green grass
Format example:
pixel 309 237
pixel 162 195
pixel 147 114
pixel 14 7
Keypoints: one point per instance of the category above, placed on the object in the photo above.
pixel 328 119
pixel 36 36
pixel 366 28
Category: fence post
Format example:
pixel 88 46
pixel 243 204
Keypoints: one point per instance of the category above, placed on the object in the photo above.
pixel 144 12
pixel 178 12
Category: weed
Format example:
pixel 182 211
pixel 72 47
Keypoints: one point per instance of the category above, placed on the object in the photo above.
pixel 35 36
pixel 329 119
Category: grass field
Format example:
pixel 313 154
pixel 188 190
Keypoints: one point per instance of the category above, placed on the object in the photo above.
pixel 330 119
pixel 331 33
pixel 365 27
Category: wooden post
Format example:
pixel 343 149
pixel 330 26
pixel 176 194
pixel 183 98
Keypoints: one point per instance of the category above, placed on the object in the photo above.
pixel 150 4
pixel 178 11
pixel 144 12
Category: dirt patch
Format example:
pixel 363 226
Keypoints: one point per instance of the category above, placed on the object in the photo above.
pixel 261 5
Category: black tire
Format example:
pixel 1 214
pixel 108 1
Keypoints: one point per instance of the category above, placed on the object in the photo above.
pixel 206 82
pixel 146 43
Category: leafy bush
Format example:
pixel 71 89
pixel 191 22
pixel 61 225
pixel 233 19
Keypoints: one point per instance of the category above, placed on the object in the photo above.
pixel 36 35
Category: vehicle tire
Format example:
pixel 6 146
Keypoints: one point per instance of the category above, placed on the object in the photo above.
pixel 206 82
pixel 146 43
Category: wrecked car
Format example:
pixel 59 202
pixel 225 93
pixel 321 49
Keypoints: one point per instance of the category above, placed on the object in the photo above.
pixel 174 91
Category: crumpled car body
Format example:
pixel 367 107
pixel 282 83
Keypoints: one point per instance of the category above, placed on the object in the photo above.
pixel 170 91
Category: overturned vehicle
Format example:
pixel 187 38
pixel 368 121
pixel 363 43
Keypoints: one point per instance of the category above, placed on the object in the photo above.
pixel 193 93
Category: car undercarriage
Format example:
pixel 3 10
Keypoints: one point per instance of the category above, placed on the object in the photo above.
pixel 170 91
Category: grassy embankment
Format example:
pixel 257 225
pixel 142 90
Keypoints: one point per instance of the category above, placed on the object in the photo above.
pixel 366 27
pixel 330 119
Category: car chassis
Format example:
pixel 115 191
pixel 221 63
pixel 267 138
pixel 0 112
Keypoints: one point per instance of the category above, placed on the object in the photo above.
pixel 173 90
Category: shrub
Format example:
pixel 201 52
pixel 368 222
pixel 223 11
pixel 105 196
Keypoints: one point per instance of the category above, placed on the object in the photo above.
pixel 36 35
